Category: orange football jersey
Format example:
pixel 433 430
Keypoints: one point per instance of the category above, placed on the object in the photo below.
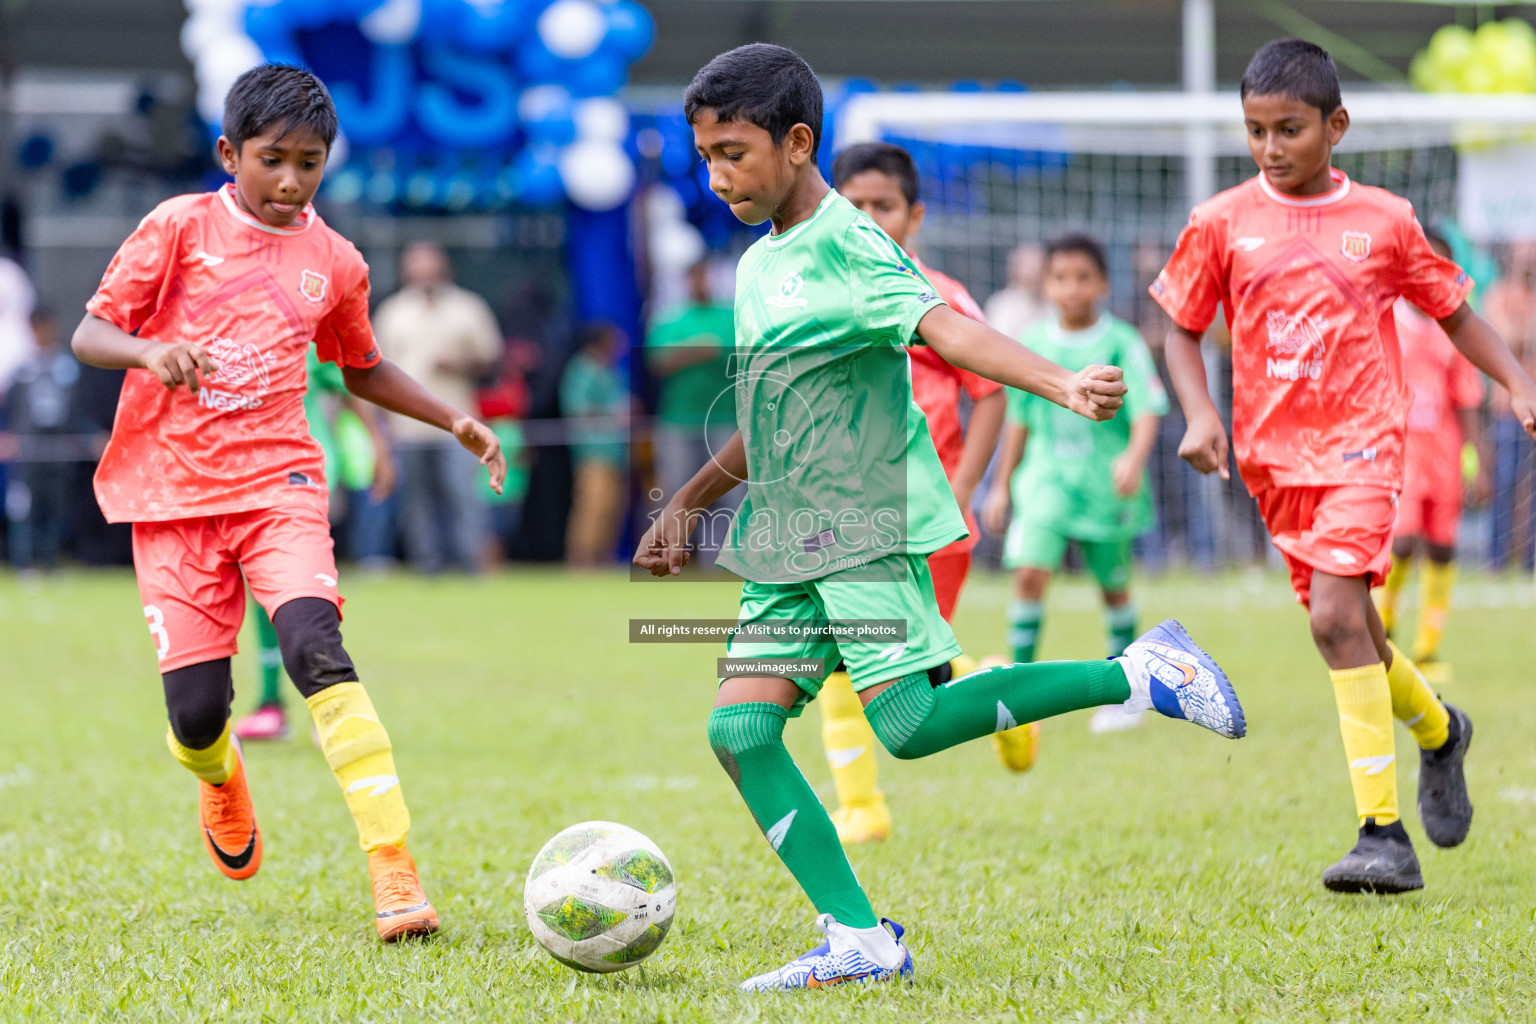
pixel 199 269
pixel 1307 287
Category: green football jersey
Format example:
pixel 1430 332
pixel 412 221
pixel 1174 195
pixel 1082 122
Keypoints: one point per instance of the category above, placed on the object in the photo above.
pixel 841 470
pixel 1063 483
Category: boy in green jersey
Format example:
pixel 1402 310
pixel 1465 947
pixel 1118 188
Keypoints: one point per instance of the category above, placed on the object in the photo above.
pixel 845 499
pixel 1072 480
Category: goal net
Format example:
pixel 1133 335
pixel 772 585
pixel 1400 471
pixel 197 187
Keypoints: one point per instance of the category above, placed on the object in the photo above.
pixel 1004 171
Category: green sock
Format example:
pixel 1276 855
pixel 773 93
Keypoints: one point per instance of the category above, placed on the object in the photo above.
pixel 749 741
pixel 1119 628
pixel 269 657
pixel 914 719
pixel 1024 628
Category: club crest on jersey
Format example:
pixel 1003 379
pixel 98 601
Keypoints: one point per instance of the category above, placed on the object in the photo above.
pixel 1356 245
pixel 312 286
pixel 789 293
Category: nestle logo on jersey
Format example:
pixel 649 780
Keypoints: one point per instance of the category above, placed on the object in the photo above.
pixel 225 401
pixel 1296 346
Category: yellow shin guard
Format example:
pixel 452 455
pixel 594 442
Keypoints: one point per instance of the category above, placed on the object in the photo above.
pixel 357 749
pixel 213 764
pixel 1365 721
pixel 1415 704
pixel 1435 581
pixel 849 742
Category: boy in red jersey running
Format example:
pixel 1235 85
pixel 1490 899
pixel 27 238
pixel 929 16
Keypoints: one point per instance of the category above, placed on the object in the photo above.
pixel 221 294
pixel 881 180
pixel 1446 392
pixel 1306 265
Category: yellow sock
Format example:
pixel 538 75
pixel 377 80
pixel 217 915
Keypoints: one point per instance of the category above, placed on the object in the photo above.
pixel 357 749
pixel 1435 581
pixel 849 742
pixel 1415 704
pixel 1365 721
pixel 213 764
pixel 1386 597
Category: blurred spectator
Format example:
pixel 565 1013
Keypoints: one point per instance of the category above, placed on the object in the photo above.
pixel 17 298
pixel 592 390
pixel 503 405
pixel 1510 306
pixel 689 350
pixel 1020 303
pixel 446 338
pixel 43 430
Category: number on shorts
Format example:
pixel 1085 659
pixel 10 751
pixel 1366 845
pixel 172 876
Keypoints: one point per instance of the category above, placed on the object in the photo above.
pixel 157 630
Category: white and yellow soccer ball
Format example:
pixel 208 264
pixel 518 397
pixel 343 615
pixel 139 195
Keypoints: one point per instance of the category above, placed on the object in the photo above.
pixel 600 897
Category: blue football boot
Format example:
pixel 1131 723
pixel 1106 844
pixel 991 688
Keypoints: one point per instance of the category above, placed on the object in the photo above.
pixel 1168 672
pixel 846 955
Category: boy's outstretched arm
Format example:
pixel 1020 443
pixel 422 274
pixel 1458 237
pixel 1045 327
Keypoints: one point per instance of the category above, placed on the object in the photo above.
pixel 1095 391
pixel 1205 438
pixel 1480 343
pixel 663 551
pixel 1128 467
pixel 98 342
pixel 386 385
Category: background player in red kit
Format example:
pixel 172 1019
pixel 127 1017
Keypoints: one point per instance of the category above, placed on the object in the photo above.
pixel 211 305
pixel 1445 392
pixel 881 180
pixel 1305 266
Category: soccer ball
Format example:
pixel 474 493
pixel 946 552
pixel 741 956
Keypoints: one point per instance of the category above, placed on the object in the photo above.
pixel 600 897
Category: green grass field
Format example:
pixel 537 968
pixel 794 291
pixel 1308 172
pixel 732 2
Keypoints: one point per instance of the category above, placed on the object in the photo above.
pixel 1163 874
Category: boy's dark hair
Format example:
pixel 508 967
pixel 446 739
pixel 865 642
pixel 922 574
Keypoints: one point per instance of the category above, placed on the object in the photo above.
pixel 1295 68
pixel 762 84
pixel 283 96
pixel 885 157
pixel 1078 242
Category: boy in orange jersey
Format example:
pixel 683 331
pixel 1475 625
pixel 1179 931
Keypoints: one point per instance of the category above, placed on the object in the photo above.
pixel 211 305
pixel 1306 265
pixel 882 181
pixel 1446 392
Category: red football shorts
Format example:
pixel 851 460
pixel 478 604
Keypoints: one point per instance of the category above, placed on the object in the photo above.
pixel 949 566
pixel 1432 516
pixel 1343 531
pixel 190 571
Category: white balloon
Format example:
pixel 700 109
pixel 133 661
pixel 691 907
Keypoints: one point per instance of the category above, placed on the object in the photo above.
pixel 675 245
pixel 662 203
pixel 202 29
pixel 394 21
pixel 222 61
pixel 572 28
pixel 597 174
pixel 539 101
pixel 602 117
pixel 222 7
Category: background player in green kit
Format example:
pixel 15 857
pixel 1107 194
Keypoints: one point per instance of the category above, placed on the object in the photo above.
pixel 1072 480
pixel 846 497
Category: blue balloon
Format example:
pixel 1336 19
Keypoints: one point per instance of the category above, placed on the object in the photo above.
pixel 487 123
pixel 35 152
pixel 443 21
pixel 536 177
pixel 536 64
pixel 80 179
pixel 379 120
pixel 552 124
pixel 270 28
pixel 601 74
pixel 631 30
pixel 490 27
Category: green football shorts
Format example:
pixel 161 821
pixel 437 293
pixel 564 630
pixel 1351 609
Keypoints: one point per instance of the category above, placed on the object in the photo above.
pixel 1032 546
pixel 902 593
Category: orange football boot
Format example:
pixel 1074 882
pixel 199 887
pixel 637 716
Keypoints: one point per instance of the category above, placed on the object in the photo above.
pixel 229 824
pixel 404 910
